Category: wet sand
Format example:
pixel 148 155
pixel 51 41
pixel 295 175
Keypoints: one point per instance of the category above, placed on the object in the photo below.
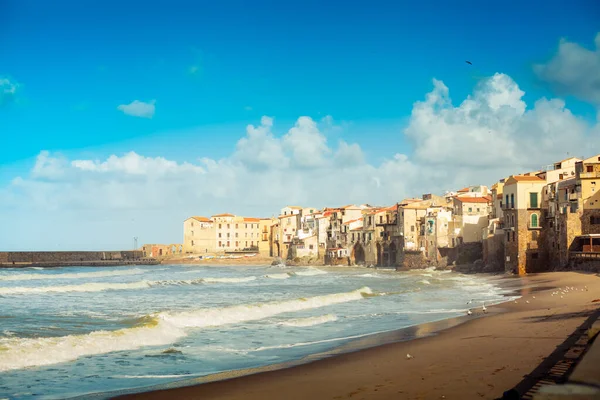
pixel 480 358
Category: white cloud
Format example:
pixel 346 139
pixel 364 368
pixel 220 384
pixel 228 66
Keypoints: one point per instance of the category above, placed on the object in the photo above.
pixel 138 109
pixel 574 70
pixel 489 135
pixel 8 90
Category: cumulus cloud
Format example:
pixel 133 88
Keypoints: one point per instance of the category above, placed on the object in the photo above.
pixel 574 70
pixel 8 90
pixel 489 135
pixel 138 109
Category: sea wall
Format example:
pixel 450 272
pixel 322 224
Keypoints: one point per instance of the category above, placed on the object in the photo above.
pixel 67 256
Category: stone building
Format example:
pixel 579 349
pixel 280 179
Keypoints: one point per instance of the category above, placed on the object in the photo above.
pixel 265 245
pixel 199 235
pixel 472 213
pixel 220 233
pixel 588 182
pixel 522 222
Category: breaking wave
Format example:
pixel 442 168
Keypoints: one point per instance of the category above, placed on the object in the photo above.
pixel 99 274
pixel 104 286
pixel 310 272
pixel 153 330
pixel 278 276
pixel 310 321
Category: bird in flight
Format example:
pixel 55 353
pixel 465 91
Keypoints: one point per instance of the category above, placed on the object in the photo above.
pixel 469 62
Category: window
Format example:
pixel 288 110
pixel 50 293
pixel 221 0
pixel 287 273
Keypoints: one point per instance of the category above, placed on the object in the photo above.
pixel 507 203
pixel 236 244
pixel 353 237
pixel 192 223
pixel 228 234
pixel 534 220
pixel 477 209
pixel 381 219
pixel 228 226
pixel 500 203
pixel 219 226
pixel 236 234
pixel 595 220
pixel 247 232
pixel 192 242
pixel 219 234
pixel 228 243
pixel 589 168
pixel 246 243
pixel 252 244
pixel 246 226
pixel 370 236
pixel 533 200
pixel 470 209
pixel 412 228
pixel 512 200
pixel 236 226
pixel 220 243
pixel 514 236
pixel 192 233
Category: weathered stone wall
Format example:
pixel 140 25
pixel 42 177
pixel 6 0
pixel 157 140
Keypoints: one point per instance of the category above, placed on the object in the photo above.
pixel 412 260
pixel 493 251
pixel 586 226
pixel 66 256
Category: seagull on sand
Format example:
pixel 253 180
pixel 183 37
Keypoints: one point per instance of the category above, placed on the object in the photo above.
pixel 470 301
pixel 408 356
pixel 469 312
pixel 484 309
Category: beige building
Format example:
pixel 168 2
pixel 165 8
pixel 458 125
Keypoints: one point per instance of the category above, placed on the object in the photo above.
pixel 522 222
pixel 472 213
pixel 221 233
pixel 410 213
pixel 265 245
pixel 198 235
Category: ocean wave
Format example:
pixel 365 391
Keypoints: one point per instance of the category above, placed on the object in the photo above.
pixel 278 276
pixel 370 276
pixel 85 287
pixel 310 321
pixel 154 330
pixel 228 280
pixel 424 281
pixel 104 286
pixel 310 272
pixel 77 275
pixel 153 376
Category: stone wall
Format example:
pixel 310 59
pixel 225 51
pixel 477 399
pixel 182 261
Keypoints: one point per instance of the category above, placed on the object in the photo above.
pixel 586 226
pixel 66 256
pixel 412 260
pixel 493 251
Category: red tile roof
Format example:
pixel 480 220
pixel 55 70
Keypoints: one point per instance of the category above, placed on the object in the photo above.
pixel 250 219
pixel 224 215
pixel 464 190
pixel 202 219
pixel 354 220
pixel 473 199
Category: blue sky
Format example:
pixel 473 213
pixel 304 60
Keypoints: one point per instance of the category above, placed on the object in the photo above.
pixel 212 68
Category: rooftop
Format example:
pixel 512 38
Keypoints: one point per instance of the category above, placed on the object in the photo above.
pixel 224 215
pixel 473 199
pixel 201 219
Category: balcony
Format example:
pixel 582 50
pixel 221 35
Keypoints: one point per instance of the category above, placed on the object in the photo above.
pixel 589 175
pixel 533 206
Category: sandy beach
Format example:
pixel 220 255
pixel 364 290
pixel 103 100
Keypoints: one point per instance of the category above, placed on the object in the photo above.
pixel 480 358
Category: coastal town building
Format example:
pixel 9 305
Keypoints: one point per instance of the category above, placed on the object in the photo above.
pixel 220 233
pixel 472 216
pixel 522 222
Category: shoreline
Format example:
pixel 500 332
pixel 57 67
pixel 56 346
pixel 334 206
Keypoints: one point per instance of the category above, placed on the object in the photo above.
pixel 443 363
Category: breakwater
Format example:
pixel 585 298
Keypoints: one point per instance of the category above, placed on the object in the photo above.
pixel 12 259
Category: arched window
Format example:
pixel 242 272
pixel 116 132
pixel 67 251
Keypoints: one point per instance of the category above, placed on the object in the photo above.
pixel 534 220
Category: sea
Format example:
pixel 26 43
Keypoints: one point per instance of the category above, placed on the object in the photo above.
pixel 67 332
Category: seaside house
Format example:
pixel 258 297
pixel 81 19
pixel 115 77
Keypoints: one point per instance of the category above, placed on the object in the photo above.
pixel 588 184
pixel 220 233
pixel 472 214
pixel 198 235
pixel 161 250
pixel 522 222
pixel 436 236
pixel 265 244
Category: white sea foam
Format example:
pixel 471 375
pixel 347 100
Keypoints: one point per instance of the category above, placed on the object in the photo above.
pixel 370 276
pixel 278 276
pixel 103 286
pixel 153 376
pixel 310 321
pixel 158 329
pixel 310 272
pixel 228 280
pixel 85 287
pixel 425 282
pixel 98 274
